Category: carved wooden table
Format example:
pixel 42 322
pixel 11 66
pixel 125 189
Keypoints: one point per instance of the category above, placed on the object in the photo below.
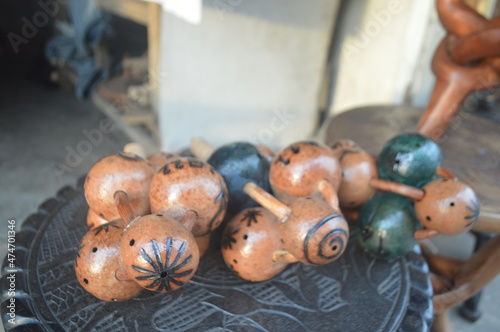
pixel 354 293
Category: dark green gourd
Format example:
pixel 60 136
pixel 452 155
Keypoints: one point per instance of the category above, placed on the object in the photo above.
pixel 386 225
pixel 411 159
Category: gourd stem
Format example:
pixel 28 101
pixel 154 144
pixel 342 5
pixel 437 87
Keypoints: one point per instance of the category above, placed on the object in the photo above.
pixel 123 206
pixel 201 149
pixel 280 210
pixel 330 195
pixel 397 188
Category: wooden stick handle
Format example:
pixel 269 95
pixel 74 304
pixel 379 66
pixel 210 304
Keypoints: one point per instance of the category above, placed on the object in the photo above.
pixel 201 149
pixel 189 220
pixel 397 188
pixel 135 148
pixel 423 234
pixel 326 189
pixel 123 206
pixel 445 173
pixel 284 256
pixel 280 210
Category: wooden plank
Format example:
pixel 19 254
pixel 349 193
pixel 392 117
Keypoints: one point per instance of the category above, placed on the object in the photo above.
pixel 154 26
pixel 134 10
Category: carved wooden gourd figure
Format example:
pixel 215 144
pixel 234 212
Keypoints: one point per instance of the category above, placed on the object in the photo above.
pixel 97 263
pixel 448 207
pixel 410 159
pixel 358 168
pixel 248 244
pixel 386 225
pixel 311 230
pixel 189 184
pixel 159 253
pixel 444 206
pixel 121 171
pixel 297 170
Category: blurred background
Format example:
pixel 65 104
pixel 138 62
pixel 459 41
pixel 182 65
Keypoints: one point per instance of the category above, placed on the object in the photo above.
pixel 79 79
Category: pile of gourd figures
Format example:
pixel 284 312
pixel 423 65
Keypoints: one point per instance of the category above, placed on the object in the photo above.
pixel 151 219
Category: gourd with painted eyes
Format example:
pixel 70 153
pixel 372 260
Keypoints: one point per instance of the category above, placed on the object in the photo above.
pixel 310 230
pixel 297 170
pixel 123 171
pixel 189 184
pixel 358 169
pixel 248 243
pixel 98 261
pixel 444 206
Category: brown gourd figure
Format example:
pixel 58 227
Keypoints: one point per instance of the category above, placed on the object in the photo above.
pixel 122 171
pixel 155 251
pixel 159 251
pixel 189 184
pixel 444 206
pixel 258 243
pixel 358 169
pixel 98 260
pixel 297 170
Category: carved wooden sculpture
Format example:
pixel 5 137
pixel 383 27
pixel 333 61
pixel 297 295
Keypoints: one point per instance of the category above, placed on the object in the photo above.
pixel 455 77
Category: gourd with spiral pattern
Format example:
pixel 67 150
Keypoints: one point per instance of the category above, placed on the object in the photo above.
pixel 311 230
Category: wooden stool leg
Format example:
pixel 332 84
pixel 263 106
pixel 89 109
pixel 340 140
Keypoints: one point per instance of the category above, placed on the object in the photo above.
pixel 441 323
pixel 470 308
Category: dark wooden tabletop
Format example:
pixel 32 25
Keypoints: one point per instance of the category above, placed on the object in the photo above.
pixel 354 293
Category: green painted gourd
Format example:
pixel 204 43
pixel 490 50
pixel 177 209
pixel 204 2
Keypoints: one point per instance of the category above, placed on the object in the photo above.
pixel 386 225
